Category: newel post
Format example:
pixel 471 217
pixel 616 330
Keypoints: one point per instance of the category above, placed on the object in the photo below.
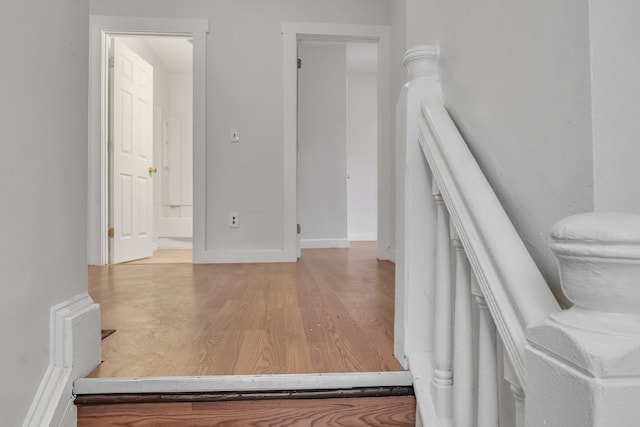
pixel 583 364
pixel 415 211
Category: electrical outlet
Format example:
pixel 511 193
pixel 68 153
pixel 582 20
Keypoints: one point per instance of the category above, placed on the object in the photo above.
pixel 234 136
pixel 233 220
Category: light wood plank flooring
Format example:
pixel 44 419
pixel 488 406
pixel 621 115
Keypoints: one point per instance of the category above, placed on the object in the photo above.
pixel 371 412
pixel 166 256
pixel 330 312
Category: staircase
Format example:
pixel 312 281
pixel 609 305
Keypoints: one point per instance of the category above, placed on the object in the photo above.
pixel 476 324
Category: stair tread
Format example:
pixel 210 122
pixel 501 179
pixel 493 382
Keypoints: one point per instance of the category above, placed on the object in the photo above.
pixel 365 411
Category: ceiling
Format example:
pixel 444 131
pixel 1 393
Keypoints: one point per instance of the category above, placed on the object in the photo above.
pixel 176 53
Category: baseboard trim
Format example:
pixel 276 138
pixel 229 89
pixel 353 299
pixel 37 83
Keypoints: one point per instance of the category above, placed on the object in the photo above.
pixel 174 243
pixel 241 383
pixel 74 352
pixel 324 243
pixel 240 256
pixel 363 237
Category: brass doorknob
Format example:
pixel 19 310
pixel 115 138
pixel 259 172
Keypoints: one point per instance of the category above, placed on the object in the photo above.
pixel 152 170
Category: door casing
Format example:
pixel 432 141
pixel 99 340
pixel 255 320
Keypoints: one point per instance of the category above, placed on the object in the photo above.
pixel 380 34
pixel 101 29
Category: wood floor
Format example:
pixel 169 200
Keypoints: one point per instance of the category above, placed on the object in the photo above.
pixel 166 256
pixel 330 312
pixel 371 412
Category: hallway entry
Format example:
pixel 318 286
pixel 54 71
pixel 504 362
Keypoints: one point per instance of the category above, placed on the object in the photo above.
pixel 151 138
pixel 337 143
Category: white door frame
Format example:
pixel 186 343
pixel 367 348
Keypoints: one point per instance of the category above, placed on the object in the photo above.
pixel 292 32
pixel 101 28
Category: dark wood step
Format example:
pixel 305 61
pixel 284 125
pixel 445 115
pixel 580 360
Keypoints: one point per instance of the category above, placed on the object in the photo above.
pixel 391 411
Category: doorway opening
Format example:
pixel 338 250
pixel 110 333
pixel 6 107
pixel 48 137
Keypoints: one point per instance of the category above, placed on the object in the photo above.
pixel 103 30
pixel 378 35
pixel 337 142
pixel 150 136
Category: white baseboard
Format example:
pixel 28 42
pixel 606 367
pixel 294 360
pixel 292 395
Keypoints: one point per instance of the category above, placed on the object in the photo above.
pixel 74 352
pixel 218 256
pixel 324 243
pixel 174 243
pixel 363 237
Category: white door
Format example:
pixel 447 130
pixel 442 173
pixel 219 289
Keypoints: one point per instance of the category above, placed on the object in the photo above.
pixel 131 194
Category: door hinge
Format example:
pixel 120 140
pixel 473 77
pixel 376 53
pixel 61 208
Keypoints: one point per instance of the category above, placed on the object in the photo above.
pixel 299 63
pixel 111 232
pixel 111 62
pixel 298 228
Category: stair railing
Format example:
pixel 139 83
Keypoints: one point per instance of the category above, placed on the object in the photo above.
pixel 509 290
pixel 491 314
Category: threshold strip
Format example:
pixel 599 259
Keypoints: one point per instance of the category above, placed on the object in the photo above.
pixel 242 383
pixel 107 399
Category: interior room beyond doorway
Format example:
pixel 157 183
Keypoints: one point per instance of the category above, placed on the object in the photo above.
pixel 337 143
pixel 171 219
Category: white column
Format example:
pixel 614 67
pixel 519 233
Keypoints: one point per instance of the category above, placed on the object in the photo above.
pixel 441 388
pixel 462 348
pixel 583 364
pixel 487 368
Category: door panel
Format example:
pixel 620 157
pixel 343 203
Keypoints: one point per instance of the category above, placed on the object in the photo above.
pixel 132 130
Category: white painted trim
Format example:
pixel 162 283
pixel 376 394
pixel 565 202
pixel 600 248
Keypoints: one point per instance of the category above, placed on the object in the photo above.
pixel 513 287
pixel 324 243
pixel 169 243
pixel 292 32
pixel 74 351
pixel 363 237
pixel 423 366
pixel 100 28
pixel 242 383
pixel 238 256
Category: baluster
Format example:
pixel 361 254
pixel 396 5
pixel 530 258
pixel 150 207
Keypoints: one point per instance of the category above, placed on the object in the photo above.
pixel 487 368
pixel 518 396
pixel 516 390
pixel 441 388
pixel 462 351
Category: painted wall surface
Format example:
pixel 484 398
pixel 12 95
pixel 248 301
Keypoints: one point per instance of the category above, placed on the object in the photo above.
pixel 244 91
pixel 322 144
pixel 362 155
pixel 43 202
pixel 616 103
pixel 516 80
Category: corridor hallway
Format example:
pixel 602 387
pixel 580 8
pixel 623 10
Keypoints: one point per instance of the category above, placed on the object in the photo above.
pixel 332 311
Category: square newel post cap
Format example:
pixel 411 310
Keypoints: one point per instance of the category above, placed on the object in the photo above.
pixel 599 261
pixel 583 364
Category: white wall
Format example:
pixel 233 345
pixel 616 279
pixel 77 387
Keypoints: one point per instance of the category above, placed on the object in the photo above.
pixel 244 90
pixel 516 80
pixel 362 136
pixel 43 208
pixel 176 211
pixel 322 144
pixel 616 104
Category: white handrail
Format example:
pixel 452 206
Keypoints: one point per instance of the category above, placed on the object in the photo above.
pixel 513 287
